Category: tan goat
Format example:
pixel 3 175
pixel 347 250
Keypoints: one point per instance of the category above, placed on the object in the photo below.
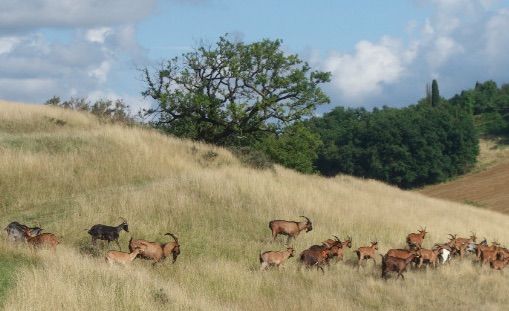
pixel 156 251
pixel 123 258
pixel 289 228
pixel 41 240
pixel 367 252
pixel 275 258
pixel 415 239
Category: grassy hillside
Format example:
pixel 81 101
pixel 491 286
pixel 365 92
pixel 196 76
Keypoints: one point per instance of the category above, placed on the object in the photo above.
pixel 67 172
pixel 487 186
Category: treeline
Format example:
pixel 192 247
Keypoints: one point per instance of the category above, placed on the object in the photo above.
pixel 489 104
pixel 409 147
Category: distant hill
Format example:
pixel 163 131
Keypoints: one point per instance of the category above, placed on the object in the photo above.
pixel 487 186
pixel 66 171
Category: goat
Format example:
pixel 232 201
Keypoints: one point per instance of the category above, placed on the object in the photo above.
pixel 315 256
pixel 275 258
pixel 400 253
pixel 444 252
pixel 415 239
pixel 41 240
pixel 156 251
pixel 488 255
pixel 289 228
pixel 108 233
pixel 337 247
pixel 429 256
pixel 480 247
pixel 499 264
pixel 16 231
pixel 394 264
pixel 121 257
pixel 460 245
pixel 367 252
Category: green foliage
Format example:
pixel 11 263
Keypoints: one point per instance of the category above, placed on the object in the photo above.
pixel 233 93
pixel 408 147
pixel 435 94
pixel 296 148
pixel 490 106
pixel 104 109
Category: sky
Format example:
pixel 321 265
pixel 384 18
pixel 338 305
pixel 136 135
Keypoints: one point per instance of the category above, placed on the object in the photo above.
pixel 378 53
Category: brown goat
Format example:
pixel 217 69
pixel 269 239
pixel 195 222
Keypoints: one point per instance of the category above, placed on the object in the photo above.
pixel 415 239
pixel 459 245
pixel 400 253
pixel 480 247
pixel 489 255
pixel 156 251
pixel 499 264
pixel 315 256
pixel 337 247
pixel 289 228
pixel 393 264
pixel 123 258
pixel 367 252
pixel 429 256
pixel 275 258
pixel 42 240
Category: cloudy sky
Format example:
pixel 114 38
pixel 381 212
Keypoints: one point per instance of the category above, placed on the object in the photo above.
pixel 378 53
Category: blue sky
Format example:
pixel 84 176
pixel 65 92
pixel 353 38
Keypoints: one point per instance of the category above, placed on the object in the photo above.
pixel 378 53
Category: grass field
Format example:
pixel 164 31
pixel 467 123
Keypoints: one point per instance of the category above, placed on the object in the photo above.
pixel 487 186
pixel 66 171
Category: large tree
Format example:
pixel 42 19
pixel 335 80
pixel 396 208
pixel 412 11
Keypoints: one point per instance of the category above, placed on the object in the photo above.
pixel 233 92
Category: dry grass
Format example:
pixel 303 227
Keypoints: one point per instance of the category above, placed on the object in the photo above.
pixel 74 175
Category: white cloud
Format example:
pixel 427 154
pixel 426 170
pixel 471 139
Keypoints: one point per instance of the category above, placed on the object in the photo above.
pixel 497 35
pixel 7 44
pixel 442 49
pixel 101 72
pixel 363 74
pixel 98 35
pixel 17 15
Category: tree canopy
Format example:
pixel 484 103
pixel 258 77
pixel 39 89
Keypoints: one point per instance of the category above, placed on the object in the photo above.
pixel 408 147
pixel 232 93
pixel 489 104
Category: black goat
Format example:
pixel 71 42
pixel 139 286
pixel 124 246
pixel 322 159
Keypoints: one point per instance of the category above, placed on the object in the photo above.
pixel 16 231
pixel 108 233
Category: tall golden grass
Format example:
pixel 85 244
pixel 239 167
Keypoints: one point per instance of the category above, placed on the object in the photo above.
pixel 67 172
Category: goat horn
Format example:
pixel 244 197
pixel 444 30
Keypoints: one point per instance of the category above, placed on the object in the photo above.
pixel 173 236
pixel 123 219
pixel 306 218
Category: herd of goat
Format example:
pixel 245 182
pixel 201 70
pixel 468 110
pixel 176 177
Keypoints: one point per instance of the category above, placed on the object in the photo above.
pixel 138 248
pixel 395 260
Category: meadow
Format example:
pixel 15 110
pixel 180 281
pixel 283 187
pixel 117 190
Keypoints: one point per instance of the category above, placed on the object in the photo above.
pixel 67 171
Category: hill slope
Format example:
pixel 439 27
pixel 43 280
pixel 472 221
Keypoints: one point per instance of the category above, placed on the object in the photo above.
pixel 487 186
pixel 67 172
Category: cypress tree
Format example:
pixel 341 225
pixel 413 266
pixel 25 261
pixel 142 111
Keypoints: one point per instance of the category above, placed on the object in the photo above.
pixel 435 95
